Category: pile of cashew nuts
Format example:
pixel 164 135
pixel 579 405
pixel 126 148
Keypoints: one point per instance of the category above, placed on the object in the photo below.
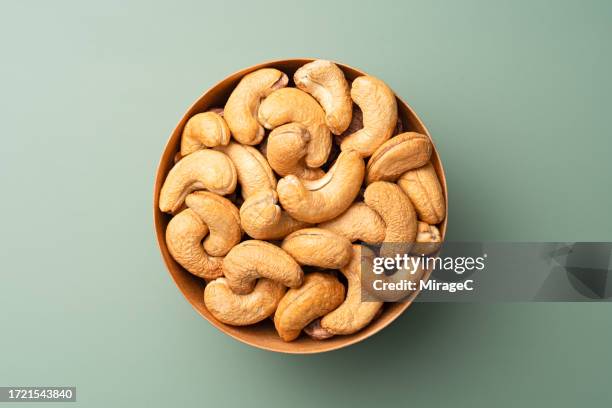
pixel 272 194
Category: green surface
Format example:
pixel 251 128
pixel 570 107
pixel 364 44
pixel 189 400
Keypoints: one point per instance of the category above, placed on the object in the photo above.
pixel 515 94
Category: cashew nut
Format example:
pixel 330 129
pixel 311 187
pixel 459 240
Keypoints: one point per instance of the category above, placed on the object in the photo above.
pixel 318 247
pixel 352 315
pixel 424 190
pixel 394 207
pixel 327 84
pixel 285 149
pixel 429 239
pixel 203 169
pixel 379 109
pixel 262 218
pixel 358 223
pixel 240 111
pixel 222 218
pixel 254 259
pixel 289 105
pixel 397 155
pixel 320 294
pixel 203 130
pixel 323 199
pixel 241 310
pixel 184 236
pixel 254 172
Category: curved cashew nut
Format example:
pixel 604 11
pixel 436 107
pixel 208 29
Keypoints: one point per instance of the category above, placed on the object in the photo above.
pixel 184 239
pixel 358 223
pixel 285 149
pixel 262 218
pixel 394 207
pixel 288 105
pixel 254 259
pixel 254 172
pixel 379 109
pixel 327 84
pixel 429 239
pixel 203 130
pixel 353 314
pixel 240 111
pixel 323 199
pixel 318 247
pixel 222 218
pixel 424 190
pixel 320 294
pixel 397 155
pixel 241 310
pixel 203 169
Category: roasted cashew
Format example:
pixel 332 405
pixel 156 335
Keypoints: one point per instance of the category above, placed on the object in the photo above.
pixel 397 155
pixel 358 223
pixel 352 315
pixel 207 129
pixel 379 109
pixel 289 105
pixel 240 111
pixel 320 294
pixel 318 247
pixel 241 310
pixel 184 239
pixel 323 199
pixel 429 239
pixel 327 84
pixel 254 259
pixel 254 172
pixel 424 190
pixel 222 219
pixel 203 169
pixel 285 149
pixel 262 218
pixel 394 207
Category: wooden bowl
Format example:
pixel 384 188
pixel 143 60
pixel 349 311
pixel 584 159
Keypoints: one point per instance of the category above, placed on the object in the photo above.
pixel 263 335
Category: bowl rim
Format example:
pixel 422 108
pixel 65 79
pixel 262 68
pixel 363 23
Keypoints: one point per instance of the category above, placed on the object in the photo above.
pixel 157 214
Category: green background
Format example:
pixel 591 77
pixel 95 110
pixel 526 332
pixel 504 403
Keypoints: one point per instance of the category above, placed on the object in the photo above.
pixel 515 94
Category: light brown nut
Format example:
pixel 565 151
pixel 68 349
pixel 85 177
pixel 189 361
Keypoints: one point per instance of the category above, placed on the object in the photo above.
pixel 240 111
pixel 254 172
pixel 394 207
pixel 254 259
pixel 318 247
pixel 203 169
pixel 323 199
pixel 397 155
pixel 262 218
pixel 289 105
pixel 429 239
pixel 241 310
pixel 379 108
pixel 320 294
pixel 184 236
pixel 285 149
pixel 424 190
pixel 207 129
pixel 358 223
pixel 327 84
pixel 222 218
pixel 353 314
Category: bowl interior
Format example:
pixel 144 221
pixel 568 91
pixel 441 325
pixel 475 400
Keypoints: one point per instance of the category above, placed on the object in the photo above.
pixel 263 335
